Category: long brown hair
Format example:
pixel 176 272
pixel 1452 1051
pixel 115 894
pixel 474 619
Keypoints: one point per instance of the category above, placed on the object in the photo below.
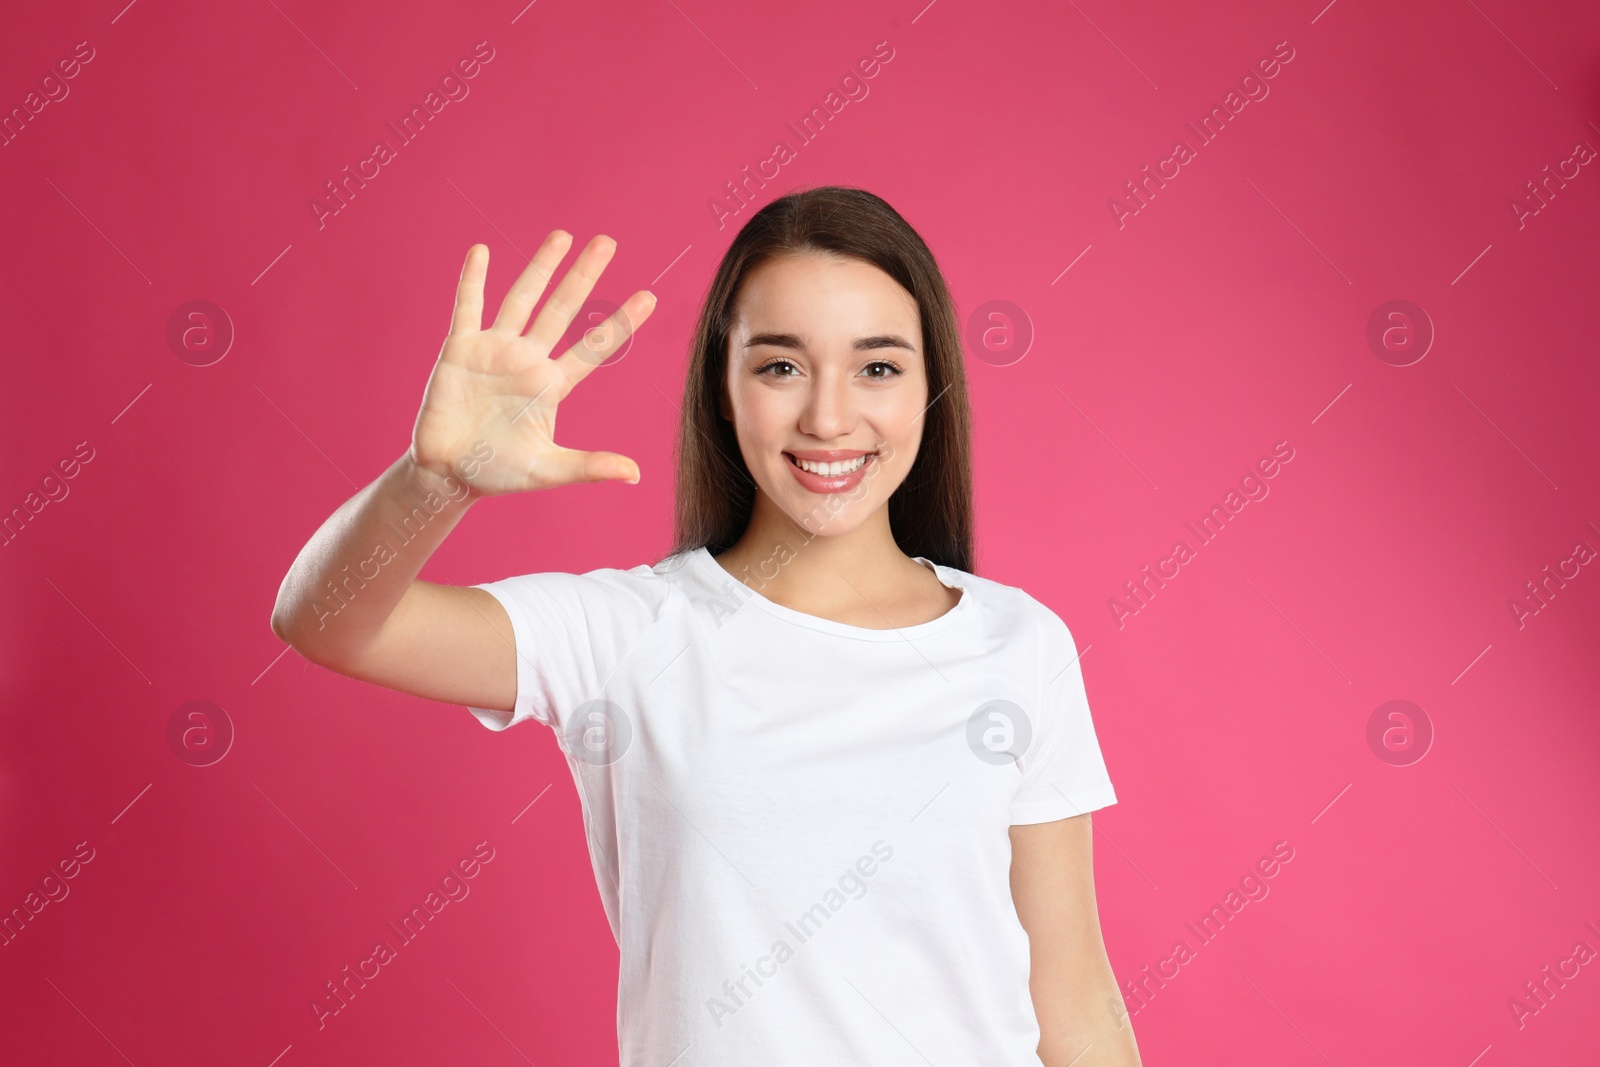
pixel 930 513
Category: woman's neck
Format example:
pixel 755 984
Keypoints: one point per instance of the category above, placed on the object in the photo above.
pixel 857 577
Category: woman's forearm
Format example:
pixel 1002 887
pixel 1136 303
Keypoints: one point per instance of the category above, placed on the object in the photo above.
pixel 347 580
pixel 1094 1030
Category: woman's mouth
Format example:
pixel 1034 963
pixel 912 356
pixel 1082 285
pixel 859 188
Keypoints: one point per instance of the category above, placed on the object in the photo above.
pixel 829 477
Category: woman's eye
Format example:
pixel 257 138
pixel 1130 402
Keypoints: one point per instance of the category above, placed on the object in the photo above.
pixel 891 369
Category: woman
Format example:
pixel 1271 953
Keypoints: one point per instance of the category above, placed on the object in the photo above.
pixel 836 786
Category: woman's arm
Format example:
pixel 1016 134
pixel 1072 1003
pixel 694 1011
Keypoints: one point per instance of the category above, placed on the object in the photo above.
pixel 1075 996
pixel 352 601
pixel 375 621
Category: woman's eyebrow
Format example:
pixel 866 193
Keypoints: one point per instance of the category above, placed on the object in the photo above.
pixel 789 340
pixel 884 340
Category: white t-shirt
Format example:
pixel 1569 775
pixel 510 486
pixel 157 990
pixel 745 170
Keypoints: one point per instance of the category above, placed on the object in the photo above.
pixel 799 828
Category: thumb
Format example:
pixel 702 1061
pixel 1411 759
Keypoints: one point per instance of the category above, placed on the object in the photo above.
pixel 579 466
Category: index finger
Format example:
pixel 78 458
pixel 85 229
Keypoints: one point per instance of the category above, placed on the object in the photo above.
pixel 599 342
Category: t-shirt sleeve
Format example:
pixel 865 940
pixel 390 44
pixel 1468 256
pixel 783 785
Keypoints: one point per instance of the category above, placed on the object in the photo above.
pixel 572 633
pixel 1063 772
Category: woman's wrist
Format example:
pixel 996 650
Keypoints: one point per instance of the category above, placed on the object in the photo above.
pixel 421 479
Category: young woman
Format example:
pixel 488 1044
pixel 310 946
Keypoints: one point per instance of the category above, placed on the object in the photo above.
pixel 836 786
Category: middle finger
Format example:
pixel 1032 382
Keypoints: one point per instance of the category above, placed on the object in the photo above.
pixel 569 295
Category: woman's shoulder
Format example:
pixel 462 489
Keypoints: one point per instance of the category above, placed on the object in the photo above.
pixel 642 589
pixel 995 595
pixel 1016 604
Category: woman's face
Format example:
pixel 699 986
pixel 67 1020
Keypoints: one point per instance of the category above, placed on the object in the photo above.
pixel 825 364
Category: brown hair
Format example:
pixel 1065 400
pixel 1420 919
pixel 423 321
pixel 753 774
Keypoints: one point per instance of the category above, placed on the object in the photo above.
pixel 930 512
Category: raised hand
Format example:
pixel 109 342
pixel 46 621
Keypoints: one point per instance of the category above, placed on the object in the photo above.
pixel 493 392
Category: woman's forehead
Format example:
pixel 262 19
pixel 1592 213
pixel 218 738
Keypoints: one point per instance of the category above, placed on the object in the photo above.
pixel 819 298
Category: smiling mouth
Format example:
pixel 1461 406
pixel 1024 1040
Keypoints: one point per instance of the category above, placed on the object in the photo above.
pixel 836 469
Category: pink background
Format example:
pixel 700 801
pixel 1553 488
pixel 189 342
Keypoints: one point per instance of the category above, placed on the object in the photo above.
pixel 1228 314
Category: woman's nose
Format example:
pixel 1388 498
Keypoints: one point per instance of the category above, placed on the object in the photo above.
pixel 830 408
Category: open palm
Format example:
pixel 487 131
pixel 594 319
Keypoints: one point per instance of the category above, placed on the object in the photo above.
pixel 488 416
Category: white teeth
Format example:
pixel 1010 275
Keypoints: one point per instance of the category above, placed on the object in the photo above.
pixel 831 470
